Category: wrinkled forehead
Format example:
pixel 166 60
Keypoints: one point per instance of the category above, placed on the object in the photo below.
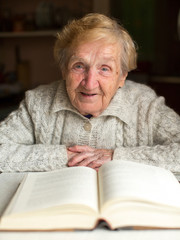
pixel 101 50
pixel 104 37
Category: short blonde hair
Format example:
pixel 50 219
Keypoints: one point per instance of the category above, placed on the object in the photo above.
pixel 93 27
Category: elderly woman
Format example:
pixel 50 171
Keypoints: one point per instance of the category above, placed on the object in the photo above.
pixel 93 115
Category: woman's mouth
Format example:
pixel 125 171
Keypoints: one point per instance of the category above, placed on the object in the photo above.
pixel 88 94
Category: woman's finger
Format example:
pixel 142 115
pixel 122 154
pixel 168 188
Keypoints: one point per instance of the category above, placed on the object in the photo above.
pixel 79 148
pixel 75 160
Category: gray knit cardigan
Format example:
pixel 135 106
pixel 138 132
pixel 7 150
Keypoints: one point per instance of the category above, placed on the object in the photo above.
pixel 137 125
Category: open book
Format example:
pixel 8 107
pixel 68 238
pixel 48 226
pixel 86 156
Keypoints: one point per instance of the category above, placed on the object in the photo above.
pixel 122 194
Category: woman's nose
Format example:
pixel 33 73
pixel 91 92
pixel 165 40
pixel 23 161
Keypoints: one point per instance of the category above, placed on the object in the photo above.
pixel 90 80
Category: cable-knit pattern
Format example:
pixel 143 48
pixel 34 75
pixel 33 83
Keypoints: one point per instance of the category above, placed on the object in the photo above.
pixel 119 135
pixel 137 125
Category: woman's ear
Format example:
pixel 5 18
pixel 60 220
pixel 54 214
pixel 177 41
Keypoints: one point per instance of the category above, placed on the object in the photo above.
pixel 122 79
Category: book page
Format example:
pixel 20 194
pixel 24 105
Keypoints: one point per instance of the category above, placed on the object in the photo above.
pixel 9 183
pixel 125 180
pixel 68 186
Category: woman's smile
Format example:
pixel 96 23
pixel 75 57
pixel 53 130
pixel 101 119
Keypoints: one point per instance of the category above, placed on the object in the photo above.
pixel 88 97
pixel 88 94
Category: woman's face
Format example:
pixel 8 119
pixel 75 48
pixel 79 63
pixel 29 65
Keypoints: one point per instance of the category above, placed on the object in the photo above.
pixel 93 76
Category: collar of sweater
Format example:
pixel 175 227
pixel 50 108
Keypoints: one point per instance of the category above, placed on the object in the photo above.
pixel 119 106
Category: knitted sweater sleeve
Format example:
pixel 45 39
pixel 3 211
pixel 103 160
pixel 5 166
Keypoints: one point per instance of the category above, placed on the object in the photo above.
pixel 164 151
pixel 18 151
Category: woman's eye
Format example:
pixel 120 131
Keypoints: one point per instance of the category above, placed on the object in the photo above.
pixel 78 67
pixel 105 69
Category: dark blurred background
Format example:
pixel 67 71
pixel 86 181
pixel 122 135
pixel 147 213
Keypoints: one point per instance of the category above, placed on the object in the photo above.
pixel 28 30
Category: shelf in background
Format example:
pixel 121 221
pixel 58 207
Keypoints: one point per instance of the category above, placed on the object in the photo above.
pixel 29 34
pixel 166 79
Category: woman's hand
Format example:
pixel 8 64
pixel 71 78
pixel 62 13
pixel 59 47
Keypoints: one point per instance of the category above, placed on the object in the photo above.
pixel 88 156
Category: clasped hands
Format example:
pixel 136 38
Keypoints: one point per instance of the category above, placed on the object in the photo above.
pixel 88 156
